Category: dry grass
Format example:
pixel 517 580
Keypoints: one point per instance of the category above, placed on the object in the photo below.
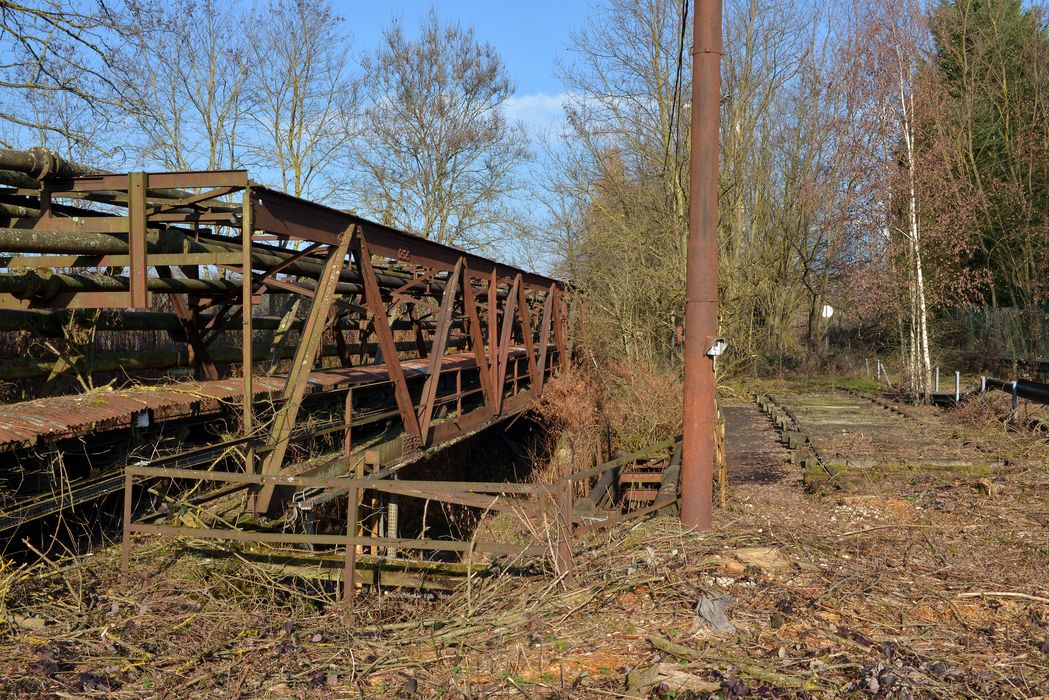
pixel 571 412
pixel 643 405
pixel 916 584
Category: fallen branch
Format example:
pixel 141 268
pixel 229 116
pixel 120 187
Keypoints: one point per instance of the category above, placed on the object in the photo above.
pixel 888 527
pixel 750 669
pixel 1005 594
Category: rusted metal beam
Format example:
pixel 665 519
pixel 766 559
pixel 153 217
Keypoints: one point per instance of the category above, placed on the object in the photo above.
pixel 544 339
pixel 381 327
pixel 493 339
pixel 286 215
pixel 526 332
pixel 473 322
pixel 505 339
pixel 440 342
pixel 302 364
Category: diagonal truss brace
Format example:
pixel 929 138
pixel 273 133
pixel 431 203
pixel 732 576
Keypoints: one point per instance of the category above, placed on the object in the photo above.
pixel 302 364
pixel 440 343
pixel 383 333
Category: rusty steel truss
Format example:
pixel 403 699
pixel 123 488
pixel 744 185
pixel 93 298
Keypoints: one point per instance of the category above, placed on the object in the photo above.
pixel 272 300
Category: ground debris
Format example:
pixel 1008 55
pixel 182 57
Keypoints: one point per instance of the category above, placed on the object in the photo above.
pixel 667 680
pixel 712 607
pixel 920 587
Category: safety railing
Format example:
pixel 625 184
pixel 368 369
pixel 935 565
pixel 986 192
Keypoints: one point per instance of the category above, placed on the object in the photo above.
pixel 555 521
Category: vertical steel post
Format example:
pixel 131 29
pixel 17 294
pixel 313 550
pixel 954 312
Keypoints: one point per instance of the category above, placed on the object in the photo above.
pixel 957 387
pixel 937 389
pixel 125 545
pixel 349 564
pixel 701 286
pixel 137 186
pixel 246 231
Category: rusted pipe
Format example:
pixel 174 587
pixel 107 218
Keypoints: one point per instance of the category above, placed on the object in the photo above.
pixel 701 286
pixel 32 240
pixel 28 168
pixel 52 323
pixel 41 164
pixel 13 368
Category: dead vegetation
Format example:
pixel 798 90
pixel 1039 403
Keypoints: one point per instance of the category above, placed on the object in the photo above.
pixel 917 584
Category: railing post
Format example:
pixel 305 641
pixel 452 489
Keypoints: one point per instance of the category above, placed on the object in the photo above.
pixel 563 560
pixel 1016 399
pixel 349 568
pixel 937 389
pixel 125 545
pixel 957 387
pixel 138 273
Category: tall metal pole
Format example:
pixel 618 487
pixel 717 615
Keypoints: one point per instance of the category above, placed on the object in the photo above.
pixel 701 286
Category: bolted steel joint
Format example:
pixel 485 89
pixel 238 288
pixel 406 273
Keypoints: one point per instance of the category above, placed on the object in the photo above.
pixel 43 163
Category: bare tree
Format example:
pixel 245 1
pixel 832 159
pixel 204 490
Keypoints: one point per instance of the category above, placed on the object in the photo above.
pixel 624 159
pixel 53 73
pixel 305 100
pixel 181 79
pixel 437 154
pixel 883 53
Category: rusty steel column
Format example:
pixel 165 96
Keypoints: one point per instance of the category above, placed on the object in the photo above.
pixel 701 286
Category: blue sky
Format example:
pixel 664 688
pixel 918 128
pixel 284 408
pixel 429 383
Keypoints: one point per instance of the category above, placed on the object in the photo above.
pixel 531 36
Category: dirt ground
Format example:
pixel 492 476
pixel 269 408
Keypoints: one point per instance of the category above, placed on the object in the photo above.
pixel 914 581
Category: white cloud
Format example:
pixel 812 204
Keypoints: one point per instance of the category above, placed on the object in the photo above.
pixel 539 112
